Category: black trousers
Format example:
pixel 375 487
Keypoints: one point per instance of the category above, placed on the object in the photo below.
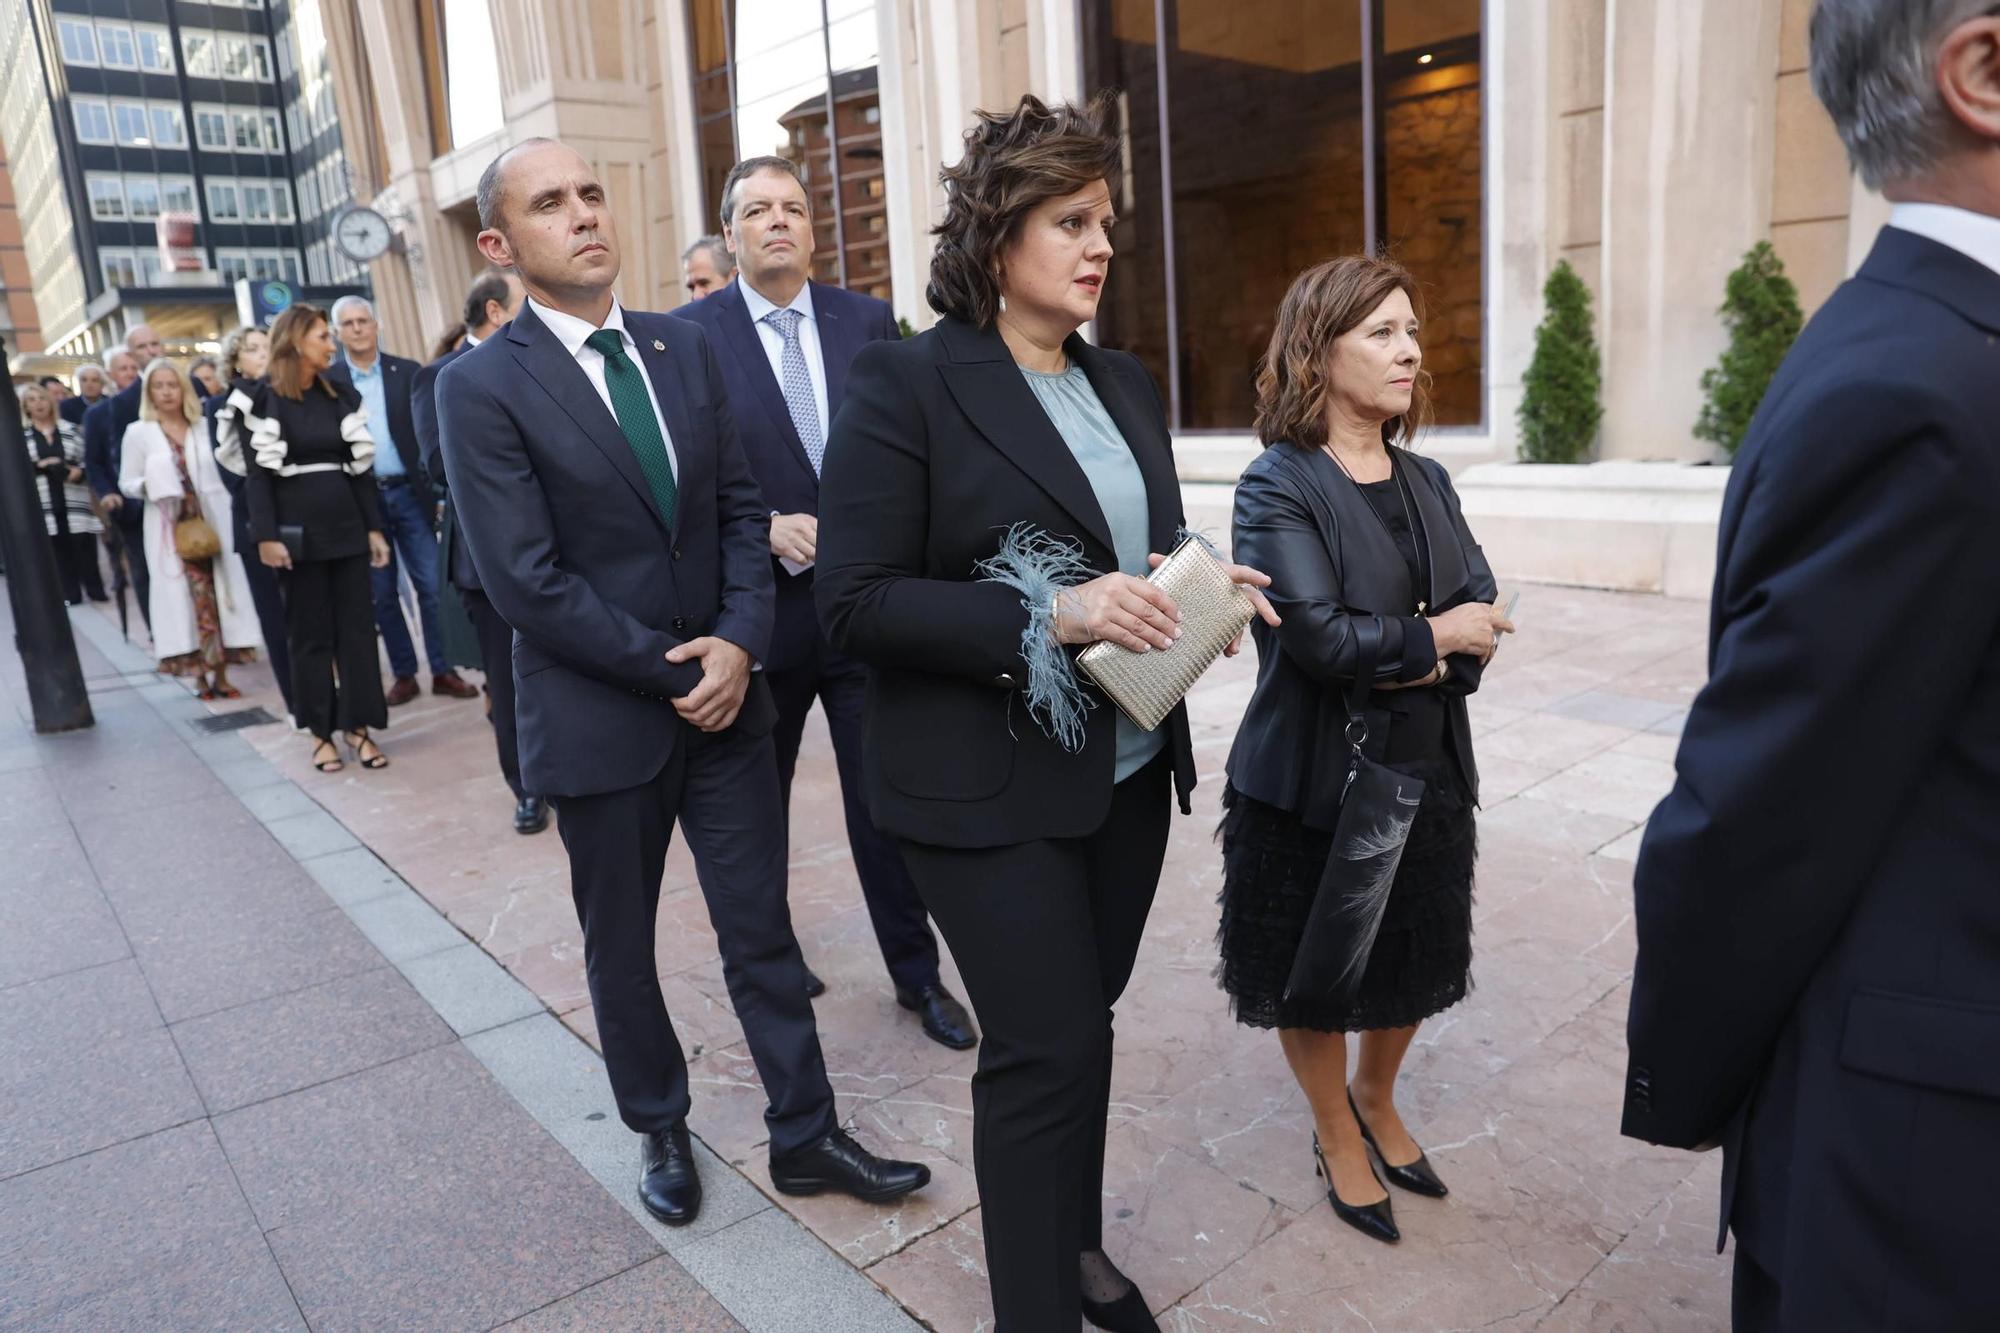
pixel 76 566
pixel 1045 934
pixel 1753 1298
pixel 269 599
pixel 330 627
pixel 496 650
pixel 894 907
pixel 723 791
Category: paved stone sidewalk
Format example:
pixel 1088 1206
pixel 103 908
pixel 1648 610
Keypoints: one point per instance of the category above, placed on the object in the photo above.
pixel 1555 1223
pixel 250 1080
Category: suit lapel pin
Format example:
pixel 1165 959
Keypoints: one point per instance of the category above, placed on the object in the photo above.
pixel 659 346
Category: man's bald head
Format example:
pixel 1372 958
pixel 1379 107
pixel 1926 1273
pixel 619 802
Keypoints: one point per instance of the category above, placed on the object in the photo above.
pixel 144 344
pixel 545 216
pixel 490 197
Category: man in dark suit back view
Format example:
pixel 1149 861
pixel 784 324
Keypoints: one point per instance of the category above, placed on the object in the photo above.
pixel 617 528
pixel 1818 899
pixel 784 344
pixel 104 447
pixel 490 303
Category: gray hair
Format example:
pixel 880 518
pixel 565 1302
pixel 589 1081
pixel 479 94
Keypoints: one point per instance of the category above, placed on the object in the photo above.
pixel 718 253
pixel 76 380
pixel 486 197
pixel 487 287
pixel 749 167
pixel 348 303
pixel 1874 69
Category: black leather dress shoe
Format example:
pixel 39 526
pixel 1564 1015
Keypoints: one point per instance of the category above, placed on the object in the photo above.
pixel 945 1019
pixel 1127 1314
pixel 838 1164
pixel 531 815
pixel 1370 1219
pixel 814 986
pixel 1417 1177
pixel 668 1185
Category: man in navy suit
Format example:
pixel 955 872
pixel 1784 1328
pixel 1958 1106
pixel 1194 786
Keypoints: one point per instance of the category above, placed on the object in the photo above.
pixel 1818 899
pixel 90 388
pixel 617 528
pixel 104 449
pixel 784 344
pixel 385 384
pixel 490 303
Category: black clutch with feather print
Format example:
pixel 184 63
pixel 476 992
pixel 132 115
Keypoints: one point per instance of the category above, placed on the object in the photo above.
pixel 1378 805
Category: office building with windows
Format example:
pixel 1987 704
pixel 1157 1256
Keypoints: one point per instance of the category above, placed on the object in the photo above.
pixel 165 149
pixel 1477 140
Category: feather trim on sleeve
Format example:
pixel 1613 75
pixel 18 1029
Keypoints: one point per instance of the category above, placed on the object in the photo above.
pixel 1038 566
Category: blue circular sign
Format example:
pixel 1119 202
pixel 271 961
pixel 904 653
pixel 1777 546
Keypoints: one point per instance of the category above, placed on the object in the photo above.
pixel 276 296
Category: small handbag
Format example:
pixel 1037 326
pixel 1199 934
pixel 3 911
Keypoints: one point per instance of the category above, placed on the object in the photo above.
pixel 1377 807
pixel 1146 686
pixel 194 539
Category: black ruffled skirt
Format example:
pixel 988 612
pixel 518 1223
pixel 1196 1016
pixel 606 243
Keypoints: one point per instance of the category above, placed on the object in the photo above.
pixel 1422 960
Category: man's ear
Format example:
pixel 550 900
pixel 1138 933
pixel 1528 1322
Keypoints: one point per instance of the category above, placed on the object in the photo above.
pixel 493 245
pixel 729 236
pixel 1968 76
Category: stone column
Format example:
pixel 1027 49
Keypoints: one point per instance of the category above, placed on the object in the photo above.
pixel 1524 119
pixel 1688 180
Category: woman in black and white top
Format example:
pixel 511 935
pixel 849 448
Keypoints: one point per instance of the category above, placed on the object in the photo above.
pixel 315 518
pixel 55 451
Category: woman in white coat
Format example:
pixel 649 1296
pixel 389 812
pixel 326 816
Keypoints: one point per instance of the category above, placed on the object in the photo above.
pixel 203 617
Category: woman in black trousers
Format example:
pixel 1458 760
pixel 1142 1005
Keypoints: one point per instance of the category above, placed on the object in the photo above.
pixel 992 493
pixel 313 512
pixel 1357 533
pixel 245 354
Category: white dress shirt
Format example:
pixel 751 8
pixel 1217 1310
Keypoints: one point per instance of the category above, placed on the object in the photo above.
pixel 571 332
pixel 1974 235
pixel 758 306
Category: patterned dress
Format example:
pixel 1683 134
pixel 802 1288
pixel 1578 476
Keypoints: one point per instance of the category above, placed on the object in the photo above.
pixel 200 575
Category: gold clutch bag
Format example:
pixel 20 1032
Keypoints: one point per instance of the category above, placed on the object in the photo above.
pixel 1146 686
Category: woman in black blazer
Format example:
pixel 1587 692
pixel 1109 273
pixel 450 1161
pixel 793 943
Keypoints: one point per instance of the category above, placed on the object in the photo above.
pixel 313 510
pixel 1358 534
pixel 992 495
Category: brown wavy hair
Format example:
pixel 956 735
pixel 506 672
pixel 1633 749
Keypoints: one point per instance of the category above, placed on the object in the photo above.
pixel 284 372
pixel 1295 378
pixel 1014 161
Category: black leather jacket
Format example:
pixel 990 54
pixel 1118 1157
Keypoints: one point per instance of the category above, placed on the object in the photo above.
pixel 1301 521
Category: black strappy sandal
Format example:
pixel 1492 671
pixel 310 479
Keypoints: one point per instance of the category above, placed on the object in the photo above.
pixel 378 760
pixel 333 765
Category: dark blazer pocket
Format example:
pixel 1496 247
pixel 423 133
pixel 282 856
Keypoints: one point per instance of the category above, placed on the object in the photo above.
pixel 1948 1045
pixel 942 740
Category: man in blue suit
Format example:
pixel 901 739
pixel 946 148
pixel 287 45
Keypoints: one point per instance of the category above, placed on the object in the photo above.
pixel 784 344
pixel 616 526
pixel 409 510
pixel 104 448
pixel 1818 899
pixel 490 303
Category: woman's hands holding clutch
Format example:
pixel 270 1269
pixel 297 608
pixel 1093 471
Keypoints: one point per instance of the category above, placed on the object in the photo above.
pixel 1248 579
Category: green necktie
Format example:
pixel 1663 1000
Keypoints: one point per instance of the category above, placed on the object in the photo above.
pixel 633 407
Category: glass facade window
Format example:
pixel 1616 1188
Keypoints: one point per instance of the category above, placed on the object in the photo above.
pixel 798 82
pixel 222 201
pixel 256 202
pixel 93 120
pixel 107 197
pixel 78 41
pixel 232 264
pixel 115 49
pixel 142 197
pixel 169 131
pixel 281 201
pixel 156 49
pixel 1261 139
pixel 129 120
pixel 177 194
pixel 198 53
pixel 211 128
pixel 120 268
